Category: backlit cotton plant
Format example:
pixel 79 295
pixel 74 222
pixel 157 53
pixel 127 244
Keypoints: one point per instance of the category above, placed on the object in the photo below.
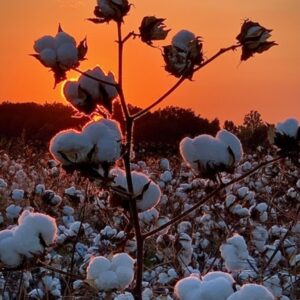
pixel 141 199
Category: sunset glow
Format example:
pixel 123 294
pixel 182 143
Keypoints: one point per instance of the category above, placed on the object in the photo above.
pixel 226 89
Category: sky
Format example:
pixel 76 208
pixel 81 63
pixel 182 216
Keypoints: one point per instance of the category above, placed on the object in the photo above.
pixel 226 88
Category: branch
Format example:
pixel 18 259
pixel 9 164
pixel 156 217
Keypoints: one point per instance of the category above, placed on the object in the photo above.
pixel 208 197
pixel 181 80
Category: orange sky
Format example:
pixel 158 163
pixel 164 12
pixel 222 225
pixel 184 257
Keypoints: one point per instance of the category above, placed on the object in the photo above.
pixel 225 89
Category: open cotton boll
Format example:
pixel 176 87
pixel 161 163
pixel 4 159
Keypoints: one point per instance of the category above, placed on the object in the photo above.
pixel 36 294
pixel 182 39
pixel 67 55
pixel 235 253
pixel 206 150
pixel 70 91
pixel 233 142
pixel 3 184
pixel 108 275
pixel 45 42
pixel 70 147
pixel 48 57
pixel 106 134
pixel 13 211
pixel 289 127
pixel 252 292
pixel 164 164
pixel 146 192
pixel 17 194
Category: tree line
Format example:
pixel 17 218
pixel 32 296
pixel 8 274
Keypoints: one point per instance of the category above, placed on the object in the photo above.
pixel 161 129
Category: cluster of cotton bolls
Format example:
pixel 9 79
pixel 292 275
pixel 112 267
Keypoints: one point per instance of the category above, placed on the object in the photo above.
pixel 33 233
pixel 207 155
pixel 98 145
pixel 107 275
pixel 86 93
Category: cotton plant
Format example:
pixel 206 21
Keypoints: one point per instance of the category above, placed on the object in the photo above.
pixel 104 154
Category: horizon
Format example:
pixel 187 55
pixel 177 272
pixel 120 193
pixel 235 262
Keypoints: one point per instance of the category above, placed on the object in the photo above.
pixel 226 89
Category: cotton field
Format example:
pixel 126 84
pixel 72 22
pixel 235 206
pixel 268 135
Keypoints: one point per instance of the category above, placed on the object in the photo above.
pixel 65 235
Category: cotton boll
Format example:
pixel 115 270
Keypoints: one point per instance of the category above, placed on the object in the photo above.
pixel 125 276
pixel 40 189
pixel 182 39
pixel 48 57
pixel 70 147
pixel 235 253
pixel 97 266
pixel 45 42
pixel 3 184
pixel 166 176
pixel 233 142
pixel 17 194
pixel 252 292
pixel 289 127
pixel 67 55
pixel 13 211
pixel 164 164
pixel 70 91
pixel 150 197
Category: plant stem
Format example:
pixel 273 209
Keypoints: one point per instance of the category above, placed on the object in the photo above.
pixel 126 159
pixel 208 197
pixel 181 80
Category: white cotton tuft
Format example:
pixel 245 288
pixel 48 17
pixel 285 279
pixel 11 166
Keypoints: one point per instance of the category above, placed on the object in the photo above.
pixel 67 55
pixel 48 57
pixel 288 127
pixel 62 38
pixel 233 142
pixel 45 42
pixel 252 292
